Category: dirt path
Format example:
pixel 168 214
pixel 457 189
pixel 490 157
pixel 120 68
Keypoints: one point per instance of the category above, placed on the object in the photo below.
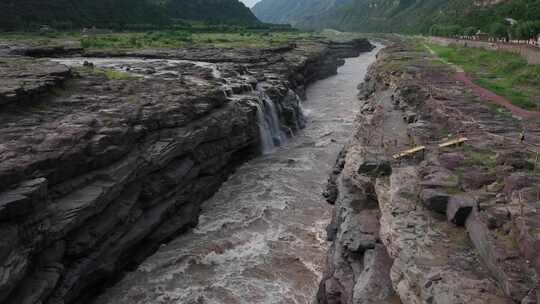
pixel 488 95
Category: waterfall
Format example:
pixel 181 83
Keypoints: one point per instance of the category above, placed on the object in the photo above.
pixel 267 141
pixel 272 116
pixel 301 122
pixel 272 135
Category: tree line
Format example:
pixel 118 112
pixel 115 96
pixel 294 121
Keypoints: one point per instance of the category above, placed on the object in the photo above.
pixel 501 30
pixel 30 15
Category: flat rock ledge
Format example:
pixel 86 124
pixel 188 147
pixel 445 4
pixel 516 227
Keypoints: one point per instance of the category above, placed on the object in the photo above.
pixel 25 79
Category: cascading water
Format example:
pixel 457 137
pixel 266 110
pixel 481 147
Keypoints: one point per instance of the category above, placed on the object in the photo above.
pixel 267 140
pixel 272 135
pixel 301 121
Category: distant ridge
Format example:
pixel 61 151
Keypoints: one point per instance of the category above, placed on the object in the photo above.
pixel 411 16
pixel 294 11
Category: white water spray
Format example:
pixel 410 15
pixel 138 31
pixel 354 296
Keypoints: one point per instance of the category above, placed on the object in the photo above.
pixel 301 122
pixel 271 133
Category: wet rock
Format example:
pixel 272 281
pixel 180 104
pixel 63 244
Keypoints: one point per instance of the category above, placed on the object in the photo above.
pixel 331 192
pixel 367 108
pixel 332 228
pixel 88 64
pixel 366 89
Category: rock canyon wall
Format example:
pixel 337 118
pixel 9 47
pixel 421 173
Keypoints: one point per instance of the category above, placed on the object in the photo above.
pixel 105 156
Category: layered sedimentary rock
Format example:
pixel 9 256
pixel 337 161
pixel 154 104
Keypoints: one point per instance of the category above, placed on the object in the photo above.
pixel 103 162
pixel 22 78
pixel 260 238
pixel 451 224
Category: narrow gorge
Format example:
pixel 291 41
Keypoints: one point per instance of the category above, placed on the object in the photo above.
pixel 107 157
pixel 261 238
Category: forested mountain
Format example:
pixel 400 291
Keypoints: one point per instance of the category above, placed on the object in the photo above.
pixel 396 15
pixel 294 12
pixel 22 14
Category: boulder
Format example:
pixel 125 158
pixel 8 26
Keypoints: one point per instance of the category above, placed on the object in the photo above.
pixel 459 208
pixel 374 168
pixel 435 200
pixel 410 117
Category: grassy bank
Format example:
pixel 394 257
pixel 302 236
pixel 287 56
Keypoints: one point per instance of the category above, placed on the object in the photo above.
pixel 503 73
pixel 158 39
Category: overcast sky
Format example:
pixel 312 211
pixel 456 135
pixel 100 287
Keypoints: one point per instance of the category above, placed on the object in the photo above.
pixel 249 3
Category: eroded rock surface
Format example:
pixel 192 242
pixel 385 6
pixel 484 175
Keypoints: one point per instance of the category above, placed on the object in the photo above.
pixel 96 174
pixel 24 79
pixel 456 222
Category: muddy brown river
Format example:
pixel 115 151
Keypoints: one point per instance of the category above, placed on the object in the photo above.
pixel 261 238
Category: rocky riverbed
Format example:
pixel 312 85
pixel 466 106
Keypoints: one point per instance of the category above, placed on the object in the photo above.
pixel 102 163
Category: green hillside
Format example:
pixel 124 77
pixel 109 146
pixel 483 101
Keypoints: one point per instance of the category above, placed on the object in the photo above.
pixel 119 14
pixel 293 12
pixel 411 16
